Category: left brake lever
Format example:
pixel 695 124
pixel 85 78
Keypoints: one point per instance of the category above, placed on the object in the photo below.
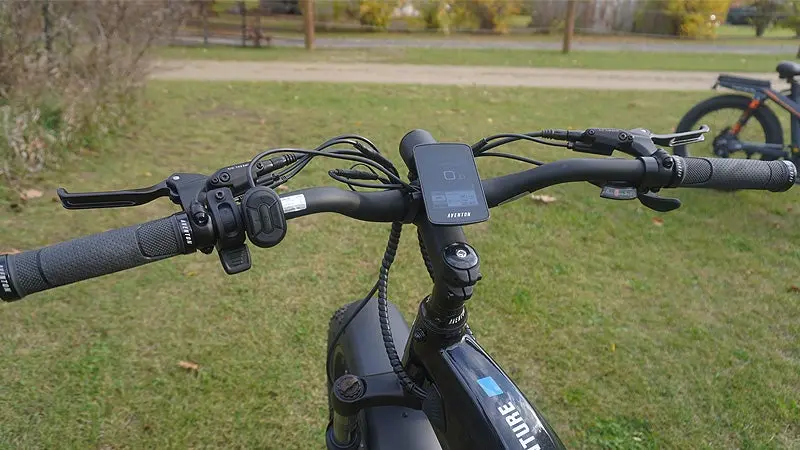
pixel 181 188
pixel 112 199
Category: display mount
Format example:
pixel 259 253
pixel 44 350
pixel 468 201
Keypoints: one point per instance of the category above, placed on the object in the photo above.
pixel 451 186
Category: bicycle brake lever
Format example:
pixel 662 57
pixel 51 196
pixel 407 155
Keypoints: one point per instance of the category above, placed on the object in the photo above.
pixel 686 137
pixel 181 188
pixel 112 199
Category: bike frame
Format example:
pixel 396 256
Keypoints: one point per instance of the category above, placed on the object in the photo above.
pixel 471 403
pixel 762 92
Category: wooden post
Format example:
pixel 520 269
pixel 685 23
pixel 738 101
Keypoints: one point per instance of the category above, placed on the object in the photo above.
pixel 308 23
pixel 569 26
pixel 204 13
pixel 243 12
pixel 257 33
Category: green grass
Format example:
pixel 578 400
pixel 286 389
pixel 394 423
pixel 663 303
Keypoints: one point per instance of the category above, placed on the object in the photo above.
pixel 734 32
pixel 479 57
pixel 626 333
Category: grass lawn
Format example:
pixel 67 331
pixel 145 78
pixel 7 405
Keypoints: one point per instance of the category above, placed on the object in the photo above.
pixel 628 328
pixel 735 32
pixel 484 57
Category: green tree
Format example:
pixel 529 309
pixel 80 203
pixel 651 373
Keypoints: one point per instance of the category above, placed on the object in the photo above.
pixel 791 18
pixel 766 13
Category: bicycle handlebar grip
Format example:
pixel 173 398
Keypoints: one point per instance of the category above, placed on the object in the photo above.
pixel 92 256
pixel 730 174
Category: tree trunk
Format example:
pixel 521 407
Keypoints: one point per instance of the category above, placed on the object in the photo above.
pixel 569 27
pixel 308 22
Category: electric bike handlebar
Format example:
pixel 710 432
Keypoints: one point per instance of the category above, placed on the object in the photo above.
pixel 116 250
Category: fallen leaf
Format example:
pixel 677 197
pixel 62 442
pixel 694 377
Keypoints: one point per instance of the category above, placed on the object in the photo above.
pixel 658 221
pixel 29 194
pixel 12 251
pixel 283 188
pixel 793 288
pixel 188 365
pixel 613 347
pixel 543 198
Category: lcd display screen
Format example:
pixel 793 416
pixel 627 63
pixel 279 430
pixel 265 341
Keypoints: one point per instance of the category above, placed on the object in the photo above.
pixel 451 186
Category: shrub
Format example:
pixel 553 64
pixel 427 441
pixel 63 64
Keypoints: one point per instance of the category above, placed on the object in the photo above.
pixel 376 13
pixel 791 18
pixel 436 15
pixel 765 15
pixel 489 14
pixel 692 18
pixel 74 84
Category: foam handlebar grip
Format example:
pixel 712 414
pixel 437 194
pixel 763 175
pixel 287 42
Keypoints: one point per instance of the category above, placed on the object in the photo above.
pixel 731 174
pixel 92 256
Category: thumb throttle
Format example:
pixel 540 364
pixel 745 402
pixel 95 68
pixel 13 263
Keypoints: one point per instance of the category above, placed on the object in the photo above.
pixel 263 217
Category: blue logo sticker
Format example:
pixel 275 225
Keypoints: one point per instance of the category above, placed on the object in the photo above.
pixel 490 386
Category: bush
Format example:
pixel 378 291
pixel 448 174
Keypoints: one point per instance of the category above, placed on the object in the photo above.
pixel 436 15
pixel 487 15
pixel 792 17
pixel 692 18
pixel 67 88
pixel 765 14
pixel 376 13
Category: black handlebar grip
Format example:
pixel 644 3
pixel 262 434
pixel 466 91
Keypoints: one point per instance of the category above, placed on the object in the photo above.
pixel 92 256
pixel 730 174
pixel 411 140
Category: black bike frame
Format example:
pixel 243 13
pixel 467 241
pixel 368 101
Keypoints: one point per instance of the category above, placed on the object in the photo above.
pixel 762 92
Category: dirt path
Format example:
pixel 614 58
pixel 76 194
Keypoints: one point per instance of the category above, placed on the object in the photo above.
pixel 439 75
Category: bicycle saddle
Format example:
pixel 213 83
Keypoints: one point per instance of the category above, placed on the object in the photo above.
pixel 788 69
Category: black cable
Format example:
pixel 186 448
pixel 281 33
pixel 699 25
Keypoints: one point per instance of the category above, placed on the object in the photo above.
pixel 383 315
pixel 514 157
pixel 371 153
pixel 356 137
pixel 361 304
pixel 424 252
pixel 393 177
pixel 350 182
pixel 485 144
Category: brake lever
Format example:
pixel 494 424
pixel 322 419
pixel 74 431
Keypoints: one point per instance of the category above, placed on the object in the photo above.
pixel 683 138
pixel 112 199
pixel 181 188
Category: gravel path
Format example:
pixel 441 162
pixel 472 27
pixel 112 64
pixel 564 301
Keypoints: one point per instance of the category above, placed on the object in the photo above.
pixel 440 75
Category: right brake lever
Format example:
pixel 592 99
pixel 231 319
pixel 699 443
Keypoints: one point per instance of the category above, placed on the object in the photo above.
pixel 683 138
